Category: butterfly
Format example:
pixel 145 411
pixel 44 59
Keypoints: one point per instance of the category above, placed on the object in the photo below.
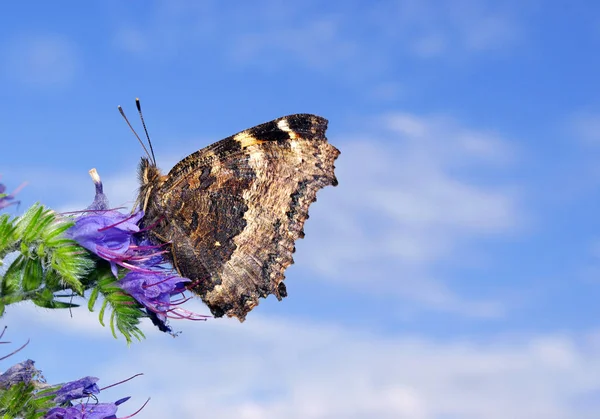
pixel 231 212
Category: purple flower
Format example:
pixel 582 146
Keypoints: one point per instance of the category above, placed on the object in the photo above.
pixel 23 372
pixel 100 200
pixel 112 235
pixel 149 255
pixel 77 389
pixel 84 387
pixel 86 411
pixel 107 233
pixel 117 238
pixel 153 290
pixel 6 198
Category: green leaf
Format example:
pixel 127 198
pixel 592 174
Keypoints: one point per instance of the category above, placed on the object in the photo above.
pixel 126 312
pixel 53 280
pixel 53 303
pixel 33 275
pixel 43 298
pixel 101 314
pixel 11 282
pixel 22 400
pixel 26 223
pixel 93 298
pixel 47 262
pixel 36 227
pixel 56 232
pixel 7 235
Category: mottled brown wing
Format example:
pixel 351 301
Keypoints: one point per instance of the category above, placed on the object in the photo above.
pixel 234 209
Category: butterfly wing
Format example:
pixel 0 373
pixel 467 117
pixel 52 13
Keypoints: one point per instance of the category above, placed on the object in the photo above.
pixel 234 209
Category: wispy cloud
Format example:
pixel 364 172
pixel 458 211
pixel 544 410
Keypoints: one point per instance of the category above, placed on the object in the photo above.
pixel 357 40
pixel 299 370
pixel 41 60
pixel 131 40
pixel 585 126
pixel 411 201
pixel 448 29
pixel 273 368
pixel 317 44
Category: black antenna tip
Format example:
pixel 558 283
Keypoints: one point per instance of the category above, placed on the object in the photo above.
pixel 139 108
pixel 150 156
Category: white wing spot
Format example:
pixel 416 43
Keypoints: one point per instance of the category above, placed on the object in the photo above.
pixel 284 126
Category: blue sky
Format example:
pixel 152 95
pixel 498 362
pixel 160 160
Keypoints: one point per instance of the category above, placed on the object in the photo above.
pixel 453 273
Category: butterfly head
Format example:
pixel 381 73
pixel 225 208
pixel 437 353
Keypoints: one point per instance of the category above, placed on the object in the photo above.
pixel 150 177
pixel 148 172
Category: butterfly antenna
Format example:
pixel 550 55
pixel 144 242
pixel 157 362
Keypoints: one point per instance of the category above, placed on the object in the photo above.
pixel 139 108
pixel 134 133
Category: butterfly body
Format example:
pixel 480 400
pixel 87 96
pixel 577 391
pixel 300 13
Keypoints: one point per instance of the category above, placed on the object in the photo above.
pixel 232 211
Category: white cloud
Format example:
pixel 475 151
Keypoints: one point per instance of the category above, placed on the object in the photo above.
pixel 270 35
pixel 409 202
pixel 273 368
pixel 430 45
pixel 586 128
pixel 318 44
pixel 42 60
pixel 489 32
pixel 387 91
pixel 300 371
pixel 132 40
pixel 449 29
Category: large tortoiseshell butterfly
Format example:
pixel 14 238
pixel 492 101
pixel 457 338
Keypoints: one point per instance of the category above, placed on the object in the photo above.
pixel 231 212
